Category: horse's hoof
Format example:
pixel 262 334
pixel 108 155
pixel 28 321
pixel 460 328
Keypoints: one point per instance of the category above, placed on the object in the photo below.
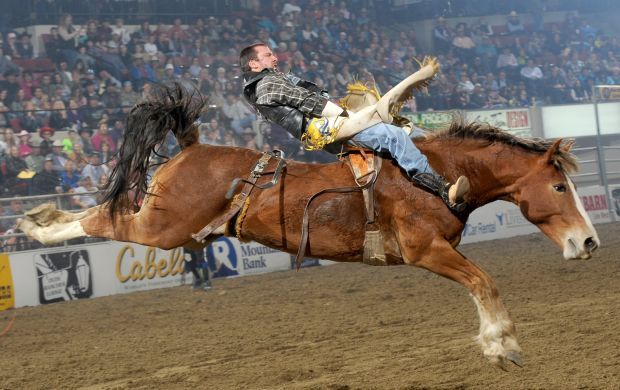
pixel 515 357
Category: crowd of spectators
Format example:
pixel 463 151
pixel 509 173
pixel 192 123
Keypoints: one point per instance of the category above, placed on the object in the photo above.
pixel 59 129
pixel 518 65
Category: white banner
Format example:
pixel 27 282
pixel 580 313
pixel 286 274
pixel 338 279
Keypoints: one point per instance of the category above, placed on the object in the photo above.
pixel 93 270
pixel 515 121
pixel 229 257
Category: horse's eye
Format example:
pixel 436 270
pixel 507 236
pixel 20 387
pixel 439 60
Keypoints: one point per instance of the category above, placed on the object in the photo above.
pixel 559 187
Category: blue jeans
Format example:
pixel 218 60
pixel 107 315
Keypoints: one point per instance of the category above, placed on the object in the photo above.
pixel 392 139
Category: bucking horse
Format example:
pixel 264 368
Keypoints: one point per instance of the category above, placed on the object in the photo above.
pixel 193 189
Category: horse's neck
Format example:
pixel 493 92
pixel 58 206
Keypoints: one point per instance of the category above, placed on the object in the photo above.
pixel 493 170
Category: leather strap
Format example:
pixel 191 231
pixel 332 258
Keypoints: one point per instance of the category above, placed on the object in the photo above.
pixel 304 224
pixel 240 198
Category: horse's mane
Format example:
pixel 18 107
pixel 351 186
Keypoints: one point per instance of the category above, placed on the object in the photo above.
pixel 460 129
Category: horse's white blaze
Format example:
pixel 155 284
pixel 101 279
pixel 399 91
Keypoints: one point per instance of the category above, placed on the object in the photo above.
pixel 575 238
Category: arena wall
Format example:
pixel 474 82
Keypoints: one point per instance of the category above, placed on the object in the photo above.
pixel 98 269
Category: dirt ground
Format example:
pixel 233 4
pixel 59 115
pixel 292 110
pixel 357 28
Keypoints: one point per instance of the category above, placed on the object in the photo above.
pixel 346 326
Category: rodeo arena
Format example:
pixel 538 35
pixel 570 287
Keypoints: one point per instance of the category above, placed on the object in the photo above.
pixel 310 194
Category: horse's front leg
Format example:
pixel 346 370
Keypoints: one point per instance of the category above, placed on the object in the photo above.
pixel 497 332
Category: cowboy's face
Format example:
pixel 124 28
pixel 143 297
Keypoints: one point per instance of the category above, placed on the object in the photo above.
pixel 265 59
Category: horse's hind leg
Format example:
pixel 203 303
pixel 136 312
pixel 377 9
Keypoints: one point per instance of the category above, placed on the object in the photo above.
pixel 497 332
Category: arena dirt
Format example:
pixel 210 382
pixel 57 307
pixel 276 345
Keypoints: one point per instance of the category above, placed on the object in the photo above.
pixel 346 326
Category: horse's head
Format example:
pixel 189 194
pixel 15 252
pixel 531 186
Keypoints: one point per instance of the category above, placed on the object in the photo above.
pixel 547 198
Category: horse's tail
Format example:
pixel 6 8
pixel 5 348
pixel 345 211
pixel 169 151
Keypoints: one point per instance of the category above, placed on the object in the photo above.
pixel 173 106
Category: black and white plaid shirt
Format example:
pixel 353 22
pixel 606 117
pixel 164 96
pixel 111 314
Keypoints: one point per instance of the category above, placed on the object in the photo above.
pixel 276 89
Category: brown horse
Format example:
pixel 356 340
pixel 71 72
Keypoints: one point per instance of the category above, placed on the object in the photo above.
pixel 189 191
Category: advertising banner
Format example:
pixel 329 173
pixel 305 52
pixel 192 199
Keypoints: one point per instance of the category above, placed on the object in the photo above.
pixel 515 121
pixel 63 276
pixel 595 203
pixel 430 120
pixel 7 294
pixel 138 267
pixel 229 257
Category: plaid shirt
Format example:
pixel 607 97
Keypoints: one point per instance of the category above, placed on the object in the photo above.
pixel 276 89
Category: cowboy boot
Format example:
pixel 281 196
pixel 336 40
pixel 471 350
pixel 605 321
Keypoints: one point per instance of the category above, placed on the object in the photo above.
pixel 452 194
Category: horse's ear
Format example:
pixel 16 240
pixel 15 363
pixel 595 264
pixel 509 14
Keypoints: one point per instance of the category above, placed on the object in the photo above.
pixel 568 145
pixel 553 150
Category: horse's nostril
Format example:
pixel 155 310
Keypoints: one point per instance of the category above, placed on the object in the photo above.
pixel 590 244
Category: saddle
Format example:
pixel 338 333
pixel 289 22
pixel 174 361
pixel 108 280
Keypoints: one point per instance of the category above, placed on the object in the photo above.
pixel 365 167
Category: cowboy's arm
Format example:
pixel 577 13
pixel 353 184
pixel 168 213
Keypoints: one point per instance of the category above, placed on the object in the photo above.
pixel 275 90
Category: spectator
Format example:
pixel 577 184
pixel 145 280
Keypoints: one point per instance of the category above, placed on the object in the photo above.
pixel 59 118
pixel 128 97
pixel 169 73
pixel 464 46
pixel 249 139
pixel 495 100
pixel 24 144
pixel 46 133
pixel 103 135
pixel 514 25
pixel 34 161
pixel 69 177
pixel 479 97
pixel 442 35
pixel 238 112
pixel 93 113
pixel 577 93
pixel 465 85
pixel 71 140
pixel 11 85
pixel 533 77
pixel 10 45
pixel 141 72
pixel 67 38
pixel 507 61
pixel 85 134
pixel 14 166
pixel 47 181
pixel 94 169
pixel 24 46
pixel 58 157
pixel 556 86
pixel 210 136
pixel 53 45
pixel 85 201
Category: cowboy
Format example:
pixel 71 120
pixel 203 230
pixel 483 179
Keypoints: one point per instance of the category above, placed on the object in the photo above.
pixel 303 109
